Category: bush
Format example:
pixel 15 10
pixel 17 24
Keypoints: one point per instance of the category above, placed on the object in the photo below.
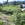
pixel 0 8
pixel 1 23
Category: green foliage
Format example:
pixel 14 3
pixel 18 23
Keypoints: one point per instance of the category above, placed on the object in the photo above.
pixel 0 9
pixel 11 8
pixel 18 16
pixel 1 23
pixel 7 8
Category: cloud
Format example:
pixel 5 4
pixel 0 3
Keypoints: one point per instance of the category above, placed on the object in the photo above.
pixel 2 1
pixel 20 0
pixel 10 0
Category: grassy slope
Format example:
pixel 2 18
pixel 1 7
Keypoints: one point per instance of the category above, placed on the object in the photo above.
pixel 10 7
pixel 13 8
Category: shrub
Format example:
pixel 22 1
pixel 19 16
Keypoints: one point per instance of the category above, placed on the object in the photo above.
pixel 1 23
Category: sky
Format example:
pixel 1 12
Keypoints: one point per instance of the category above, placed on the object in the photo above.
pixel 20 0
pixel 10 0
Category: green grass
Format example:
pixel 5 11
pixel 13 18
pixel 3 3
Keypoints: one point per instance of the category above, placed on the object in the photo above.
pixel 12 8
pixel 12 18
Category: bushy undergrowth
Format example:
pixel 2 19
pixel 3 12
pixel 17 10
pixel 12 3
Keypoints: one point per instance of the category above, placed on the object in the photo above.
pixel 1 23
pixel 17 13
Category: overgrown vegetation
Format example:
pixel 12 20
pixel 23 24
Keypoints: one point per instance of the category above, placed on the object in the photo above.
pixel 17 13
pixel 1 23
